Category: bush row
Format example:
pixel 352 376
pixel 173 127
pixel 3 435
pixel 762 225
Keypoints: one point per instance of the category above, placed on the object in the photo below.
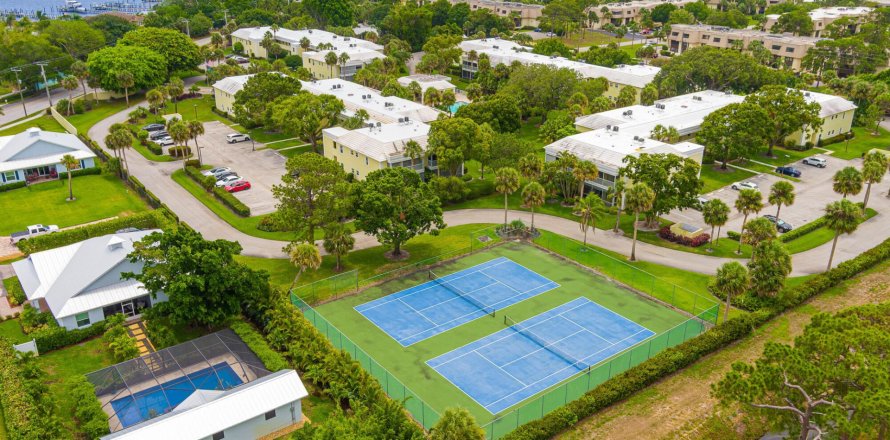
pixel 270 358
pixel 154 148
pixel 144 220
pixel 81 172
pixel 803 230
pixel 666 233
pixel 12 186
pixel 14 291
pixel 54 337
pixel 683 355
pixel 206 182
pixel 92 421
pixel 180 151
pixel 226 198
pixel 27 407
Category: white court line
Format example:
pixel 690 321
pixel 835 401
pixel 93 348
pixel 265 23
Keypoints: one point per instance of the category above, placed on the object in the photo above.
pixel 544 347
pixel 418 312
pixel 500 368
pixel 493 282
pixel 613 313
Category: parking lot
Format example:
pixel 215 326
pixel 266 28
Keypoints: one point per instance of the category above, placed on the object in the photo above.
pixel 813 192
pixel 262 168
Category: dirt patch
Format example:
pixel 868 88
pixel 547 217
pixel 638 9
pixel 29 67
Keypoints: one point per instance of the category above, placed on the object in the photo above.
pixel 681 405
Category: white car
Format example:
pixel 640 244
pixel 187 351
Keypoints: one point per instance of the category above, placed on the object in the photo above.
pixel 744 185
pixel 228 180
pixel 237 137
pixel 164 142
pixel 215 171
pixel 816 162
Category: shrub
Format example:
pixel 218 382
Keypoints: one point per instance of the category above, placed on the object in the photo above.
pixel 238 47
pixel 180 151
pixel 122 346
pixel 480 188
pixel 27 407
pixel 194 163
pixel 160 335
pixel 293 61
pixel 733 235
pixel 34 320
pixel 81 172
pixel 796 233
pixel 270 358
pixel 92 421
pixel 53 338
pixel 269 224
pixel 206 182
pixel 15 291
pixel 155 149
pixel 11 186
pixel 233 203
pixel 144 220
pixel 665 233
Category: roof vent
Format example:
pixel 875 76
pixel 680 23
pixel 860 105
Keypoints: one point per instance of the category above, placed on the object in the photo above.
pixel 608 127
pixel 34 132
pixel 378 125
pixel 115 243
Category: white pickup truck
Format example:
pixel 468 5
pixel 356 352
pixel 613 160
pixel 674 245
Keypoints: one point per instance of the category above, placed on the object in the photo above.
pixel 33 231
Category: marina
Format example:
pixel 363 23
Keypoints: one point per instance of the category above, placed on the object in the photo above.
pixel 56 8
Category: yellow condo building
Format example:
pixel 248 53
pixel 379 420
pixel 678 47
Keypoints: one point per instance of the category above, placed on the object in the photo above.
pixel 378 146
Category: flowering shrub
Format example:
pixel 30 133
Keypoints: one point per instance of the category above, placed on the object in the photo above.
pixel 665 233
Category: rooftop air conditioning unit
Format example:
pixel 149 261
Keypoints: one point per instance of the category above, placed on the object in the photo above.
pixel 630 112
pixel 608 127
pixel 615 128
pixel 378 125
pixel 807 94
pixel 495 47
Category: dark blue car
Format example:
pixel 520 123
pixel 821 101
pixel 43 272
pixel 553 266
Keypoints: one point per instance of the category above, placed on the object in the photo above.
pixel 788 171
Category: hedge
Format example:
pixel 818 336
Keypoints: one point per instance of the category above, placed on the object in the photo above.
pixel 81 172
pixel 145 220
pixel 666 234
pixel 12 186
pixel 206 182
pixel 91 419
pixel 180 151
pixel 225 197
pixel 270 358
pixel 154 148
pixel 671 360
pixel 54 338
pixel 16 295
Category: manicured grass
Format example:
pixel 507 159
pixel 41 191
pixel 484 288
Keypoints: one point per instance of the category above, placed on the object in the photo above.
pixel 64 365
pixel 287 144
pixel 765 169
pixel 291 152
pixel 146 153
pixel 724 248
pixel 589 38
pixel 46 123
pixel 101 110
pixel 11 329
pixel 530 131
pixel 862 142
pixel 715 178
pixel 819 237
pixel 318 409
pixel 98 197
pixel 783 156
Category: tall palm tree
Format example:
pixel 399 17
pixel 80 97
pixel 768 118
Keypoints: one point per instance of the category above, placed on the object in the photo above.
pixel 175 88
pixel 848 181
pixel 338 241
pixel 331 60
pixel 533 196
pixel 616 194
pixel 342 59
pixel 195 129
pixel 303 256
pixel 841 217
pixel 431 97
pixel 781 193
pixel 119 140
pixel 69 83
pixel 732 279
pixel 180 134
pixel 70 164
pixel 506 182
pixel 155 100
pixel 125 80
pixel 638 198
pixel 758 230
pixel 715 214
pixel 590 208
pixel 873 169
pixel 750 201
pixel 80 71
pixel 582 172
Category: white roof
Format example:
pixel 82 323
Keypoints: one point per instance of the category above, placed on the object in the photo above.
pixel 830 104
pixel 384 143
pixel 438 82
pixel 506 52
pixel 357 55
pixel 385 109
pixel 220 411
pixel 232 84
pixel 684 112
pixel 834 12
pixel 35 147
pixel 608 148
pixel 82 276
pixel 293 38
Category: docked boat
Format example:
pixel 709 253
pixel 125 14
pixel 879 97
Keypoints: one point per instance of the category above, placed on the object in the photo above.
pixel 73 6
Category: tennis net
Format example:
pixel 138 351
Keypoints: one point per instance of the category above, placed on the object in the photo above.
pixel 464 296
pixel 575 362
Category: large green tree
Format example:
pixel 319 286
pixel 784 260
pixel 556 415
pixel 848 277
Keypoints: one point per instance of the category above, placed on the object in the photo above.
pixel 673 179
pixel 259 92
pixel 179 51
pixel 452 140
pixel 539 88
pixel 499 111
pixel 715 214
pixel 703 68
pixel 394 205
pixel 410 23
pixel 148 68
pixel 331 12
pixel 788 111
pixel 305 115
pixel 732 132
pixel 75 37
pixel 313 193
pixel 874 167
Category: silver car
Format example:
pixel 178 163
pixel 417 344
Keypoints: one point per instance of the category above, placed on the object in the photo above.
pixel 227 180
pixel 744 185
pixel 815 162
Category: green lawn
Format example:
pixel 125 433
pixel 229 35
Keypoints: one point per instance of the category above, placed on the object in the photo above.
pixel 146 153
pixel 65 364
pixel 862 142
pixel 588 38
pixel 46 123
pixel 715 178
pixel 819 237
pixel 530 131
pixel 98 197
pixel 278 145
pixel 102 109
pixel 291 152
pixel 11 329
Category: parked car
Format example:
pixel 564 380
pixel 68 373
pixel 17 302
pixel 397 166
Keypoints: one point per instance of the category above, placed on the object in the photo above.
pixel 153 127
pixel 227 181
pixel 165 142
pixel 781 225
pixel 33 231
pixel 699 202
pixel 744 185
pixel 215 171
pixel 158 134
pixel 240 185
pixel 237 137
pixel 788 171
pixel 815 162
pixel 241 60
pixel 225 174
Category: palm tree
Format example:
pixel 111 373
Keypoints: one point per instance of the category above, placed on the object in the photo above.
pixel 305 43
pixel 415 91
pixel 180 134
pixel 616 194
pixel 331 60
pixel 715 214
pixel 531 166
pixel 781 193
pixel 582 172
pixel 590 208
pixel 749 201
pixel 413 150
pixel 342 60
pixel 873 169
pixel 639 198
pixel 431 97
pixel 506 182
pixel 848 181
pixel 303 256
pixel 338 241
pixel 732 279
pixel 842 217
pixel 80 71
pixel 195 129
pixel 758 230
pixel 70 164
pixel 69 83
pixel 155 100
pixel 125 80
pixel 119 140
pixel 175 88
pixel 217 39
pixel 533 196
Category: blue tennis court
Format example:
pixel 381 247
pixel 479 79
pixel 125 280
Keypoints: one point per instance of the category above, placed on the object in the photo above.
pixel 425 310
pixel 160 399
pixel 507 367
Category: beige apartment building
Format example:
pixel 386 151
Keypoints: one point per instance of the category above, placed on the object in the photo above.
pixel 623 13
pixel 824 17
pixel 718 4
pixel 788 48
pixel 521 13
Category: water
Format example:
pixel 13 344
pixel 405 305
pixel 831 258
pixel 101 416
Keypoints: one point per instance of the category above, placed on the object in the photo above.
pixel 453 108
pixel 52 7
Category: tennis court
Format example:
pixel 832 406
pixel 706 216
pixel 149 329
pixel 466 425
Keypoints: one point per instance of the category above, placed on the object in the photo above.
pixel 507 367
pixel 445 302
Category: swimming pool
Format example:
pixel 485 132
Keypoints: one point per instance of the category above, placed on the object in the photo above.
pixel 453 107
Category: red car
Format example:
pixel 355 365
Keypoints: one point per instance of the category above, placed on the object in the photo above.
pixel 240 185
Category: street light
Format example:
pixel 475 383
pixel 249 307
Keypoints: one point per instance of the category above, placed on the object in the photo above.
pixel 187 31
pixel 252 145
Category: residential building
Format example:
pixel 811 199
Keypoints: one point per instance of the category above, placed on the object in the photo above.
pixel 224 92
pixel 787 48
pixel 837 118
pixel 507 52
pixel 608 146
pixel 82 283
pixel 438 82
pixel 35 155
pixel 522 14
pixel 684 112
pixel 290 40
pixel 824 17
pixel 378 146
pixel 350 58
pixel 384 109
pixel 721 5
pixel 624 13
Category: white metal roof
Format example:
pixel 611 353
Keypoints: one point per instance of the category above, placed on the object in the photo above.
pixel 357 55
pixel 385 109
pixel 292 37
pixel 223 411
pixel 438 82
pixel 20 151
pixel 232 84
pixel 381 143
pixel 829 104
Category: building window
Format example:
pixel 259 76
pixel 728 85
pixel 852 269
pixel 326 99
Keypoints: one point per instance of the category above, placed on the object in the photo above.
pixel 789 49
pixel 9 176
pixel 270 415
pixel 83 319
pixel 776 47
pixel 716 40
pixel 219 435
pixel 366 161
